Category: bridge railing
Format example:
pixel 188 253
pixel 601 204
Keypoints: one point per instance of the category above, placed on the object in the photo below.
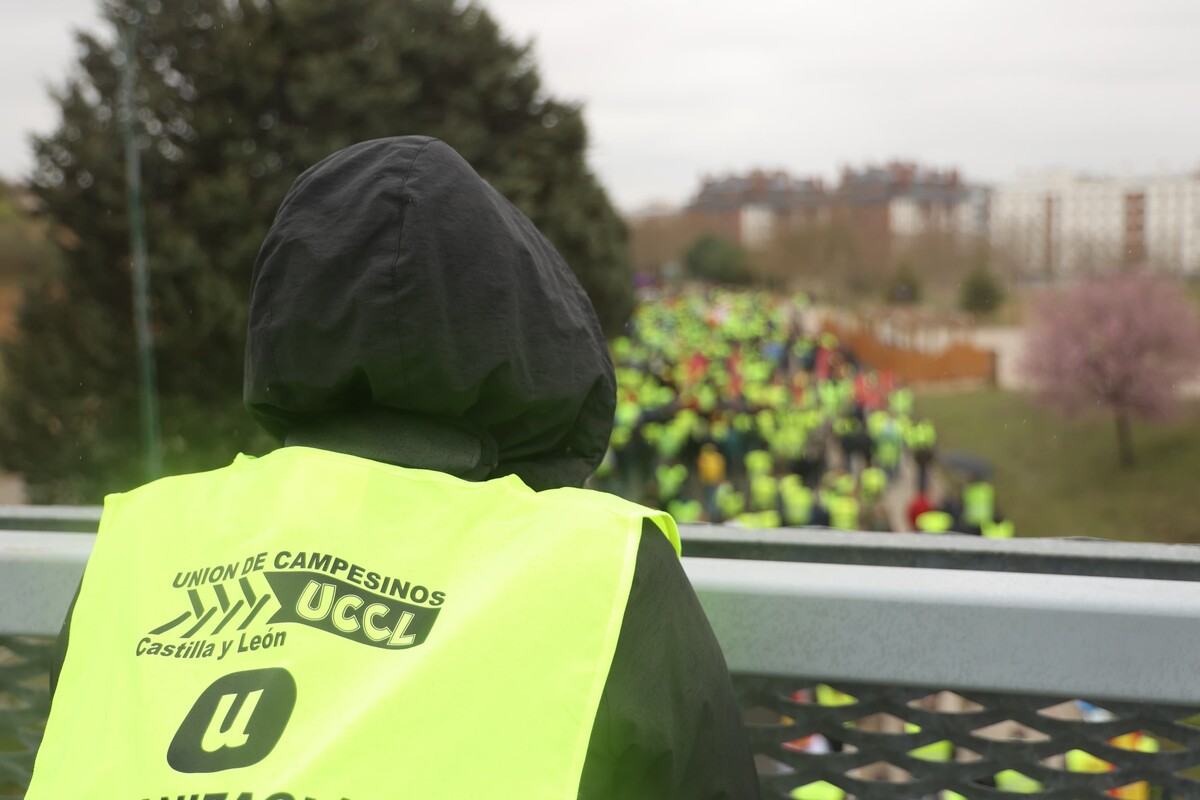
pixel 885 665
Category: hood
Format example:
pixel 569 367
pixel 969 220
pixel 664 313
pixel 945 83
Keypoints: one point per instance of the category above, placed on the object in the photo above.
pixel 396 281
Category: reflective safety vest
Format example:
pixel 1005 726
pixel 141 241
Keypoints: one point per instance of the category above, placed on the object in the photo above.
pixel 686 510
pixel 979 503
pixel 762 520
pixel 935 522
pixel 315 625
pixel 843 512
pixel 887 452
pixel 901 401
pixel 877 422
pixel 845 426
pixel 921 436
pixel 797 505
pixel 764 492
pixel 874 481
pixel 999 530
pixel 730 502
pixel 671 479
pixel 759 462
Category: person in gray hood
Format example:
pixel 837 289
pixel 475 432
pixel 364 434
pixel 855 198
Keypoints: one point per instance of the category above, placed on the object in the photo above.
pixel 403 312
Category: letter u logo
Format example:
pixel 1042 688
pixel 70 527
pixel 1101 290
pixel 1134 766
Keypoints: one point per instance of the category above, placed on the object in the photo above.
pixel 225 732
pixel 236 722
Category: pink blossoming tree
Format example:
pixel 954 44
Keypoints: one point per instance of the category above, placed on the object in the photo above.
pixel 1121 344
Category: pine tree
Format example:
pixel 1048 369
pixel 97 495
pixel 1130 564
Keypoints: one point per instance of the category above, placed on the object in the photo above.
pixel 716 259
pixel 234 100
pixel 981 292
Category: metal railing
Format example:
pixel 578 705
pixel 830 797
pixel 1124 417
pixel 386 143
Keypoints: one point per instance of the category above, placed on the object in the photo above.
pixel 889 665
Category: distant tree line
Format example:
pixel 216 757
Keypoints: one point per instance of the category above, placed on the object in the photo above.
pixel 831 259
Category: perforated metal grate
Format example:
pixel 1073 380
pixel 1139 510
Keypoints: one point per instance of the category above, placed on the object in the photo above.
pixel 889 743
pixel 24 703
pixel 862 739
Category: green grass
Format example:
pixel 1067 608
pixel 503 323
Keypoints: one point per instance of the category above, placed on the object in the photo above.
pixel 1056 477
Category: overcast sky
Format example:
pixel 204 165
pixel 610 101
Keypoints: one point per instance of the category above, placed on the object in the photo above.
pixel 677 88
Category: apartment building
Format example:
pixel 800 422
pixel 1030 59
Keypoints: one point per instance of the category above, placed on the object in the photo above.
pixel 903 199
pixel 877 203
pixel 1172 226
pixel 752 208
pixel 1062 224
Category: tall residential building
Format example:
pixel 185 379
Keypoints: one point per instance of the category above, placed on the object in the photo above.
pixel 1173 224
pixel 1060 224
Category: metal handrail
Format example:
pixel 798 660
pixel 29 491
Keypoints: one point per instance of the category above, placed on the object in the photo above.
pixel 885 608
pixel 1017 628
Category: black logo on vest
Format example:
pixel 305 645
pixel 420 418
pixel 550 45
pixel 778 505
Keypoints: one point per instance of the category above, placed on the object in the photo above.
pixel 236 722
pixel 340 608
pixel 235 606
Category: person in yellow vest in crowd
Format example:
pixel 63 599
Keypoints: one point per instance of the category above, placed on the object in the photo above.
pixel 873 515
pixel 670 478
pixel 797 501
pixel 409 598
pixel 729 501
pixel 921 439
pixel 999 530
pixel 979 503
pixel 710 469
pixel 935 522
pixel 843 511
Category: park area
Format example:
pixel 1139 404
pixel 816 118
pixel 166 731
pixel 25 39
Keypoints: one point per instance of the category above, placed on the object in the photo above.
pixel 1061 478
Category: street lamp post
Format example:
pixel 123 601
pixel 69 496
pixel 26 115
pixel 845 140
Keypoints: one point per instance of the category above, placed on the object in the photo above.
pixel 147 391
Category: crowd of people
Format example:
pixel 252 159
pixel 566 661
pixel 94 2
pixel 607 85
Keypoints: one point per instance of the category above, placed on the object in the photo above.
pixel 730 410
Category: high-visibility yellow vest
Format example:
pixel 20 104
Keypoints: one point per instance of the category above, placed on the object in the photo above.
pixel 686 511
pixel 843 512
pixel 999 530
pixel 935 522
pixel 759 519
pixel 874 481
pixel 979 503
pixel 759 462
pixel 311 624
pixel 797 505
pixel 764 492
pixel 671 479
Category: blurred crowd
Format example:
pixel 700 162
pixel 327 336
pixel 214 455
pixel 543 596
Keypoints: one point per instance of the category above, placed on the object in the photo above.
pixel 730 410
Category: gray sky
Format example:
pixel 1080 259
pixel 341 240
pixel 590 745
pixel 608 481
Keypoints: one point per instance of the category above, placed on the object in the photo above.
pixel 676 88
